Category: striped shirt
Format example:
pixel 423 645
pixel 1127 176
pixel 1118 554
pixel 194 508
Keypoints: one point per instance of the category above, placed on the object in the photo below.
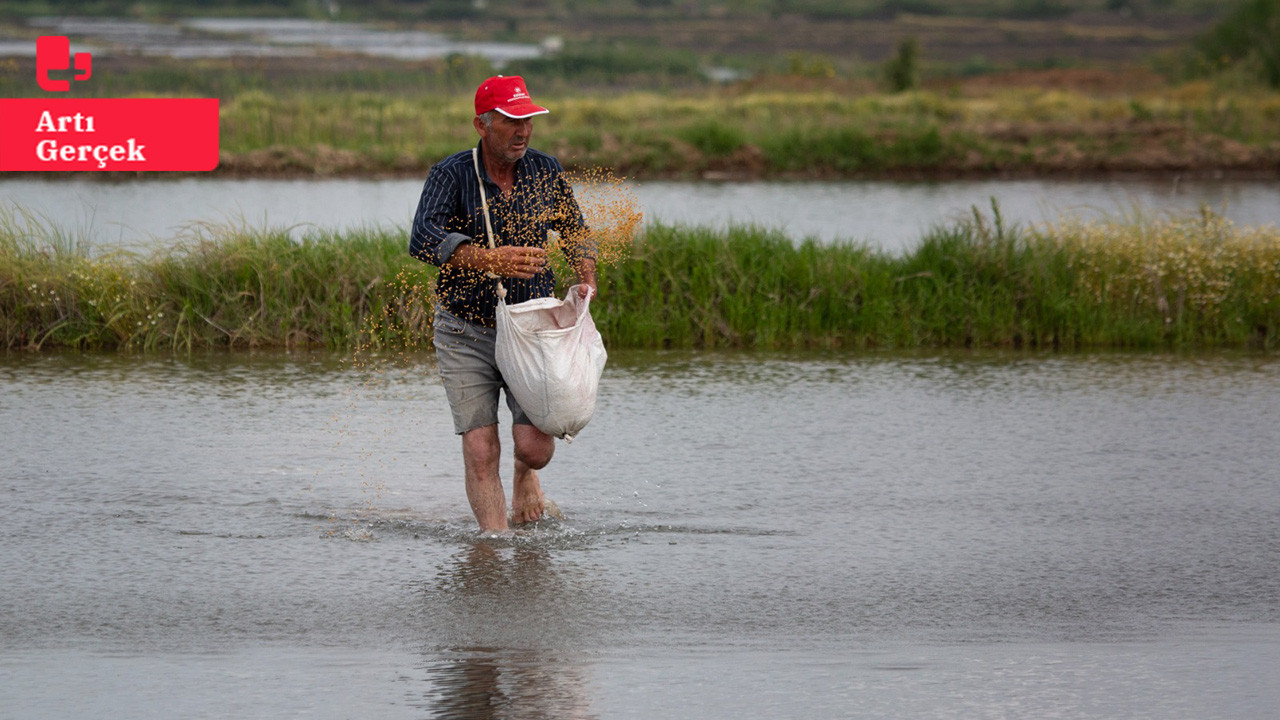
pixel 449 214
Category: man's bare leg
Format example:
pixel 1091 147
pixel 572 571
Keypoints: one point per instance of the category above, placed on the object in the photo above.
pixel 480 454
pixel 533 450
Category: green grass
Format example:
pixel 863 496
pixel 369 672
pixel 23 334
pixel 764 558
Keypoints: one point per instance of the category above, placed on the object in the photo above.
pixel 219 287
pixel 796 133
pixel 1135 282
pixel 401 120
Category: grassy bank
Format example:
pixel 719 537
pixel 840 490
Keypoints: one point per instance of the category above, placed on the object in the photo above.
pixel 1139 283
pixel 1189 282
pixel 220 287
pixel 839 131
pixel 1059 122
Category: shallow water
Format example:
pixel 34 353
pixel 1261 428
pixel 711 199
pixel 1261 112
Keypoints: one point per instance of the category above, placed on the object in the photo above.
pixel 747 535
pixel 892 216
pixel 198 38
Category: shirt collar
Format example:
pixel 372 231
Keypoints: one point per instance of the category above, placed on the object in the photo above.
pixel 522 165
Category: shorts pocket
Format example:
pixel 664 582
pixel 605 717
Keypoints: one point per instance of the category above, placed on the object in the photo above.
pixel 448 325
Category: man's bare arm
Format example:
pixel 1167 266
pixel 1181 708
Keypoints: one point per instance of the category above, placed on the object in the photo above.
pixel 505 261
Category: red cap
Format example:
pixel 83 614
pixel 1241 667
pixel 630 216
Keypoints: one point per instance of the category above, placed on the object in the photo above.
pixel 507 95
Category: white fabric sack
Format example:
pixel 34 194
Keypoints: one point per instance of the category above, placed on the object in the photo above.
pixel 551 357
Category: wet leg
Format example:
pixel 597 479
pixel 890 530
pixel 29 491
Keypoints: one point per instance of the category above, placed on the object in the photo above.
pixel 480 454
pixel 533 450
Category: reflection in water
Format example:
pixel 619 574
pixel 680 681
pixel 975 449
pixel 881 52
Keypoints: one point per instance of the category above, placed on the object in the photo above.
pixel 508 598
pixel 498 683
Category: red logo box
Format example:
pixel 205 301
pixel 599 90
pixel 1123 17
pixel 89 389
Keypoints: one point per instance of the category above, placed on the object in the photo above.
pixel 106 134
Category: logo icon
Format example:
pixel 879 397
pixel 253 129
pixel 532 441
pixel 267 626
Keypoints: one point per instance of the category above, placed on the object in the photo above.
pixel 53 52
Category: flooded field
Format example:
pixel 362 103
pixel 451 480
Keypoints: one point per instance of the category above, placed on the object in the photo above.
pixel 202 38
pixel 746 535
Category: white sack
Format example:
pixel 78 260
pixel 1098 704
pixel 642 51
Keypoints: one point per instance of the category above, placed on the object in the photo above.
pixel 551 357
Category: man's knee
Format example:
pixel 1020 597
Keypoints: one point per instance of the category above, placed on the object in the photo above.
pixel 480 446
pixel 532 446
pixel 535 458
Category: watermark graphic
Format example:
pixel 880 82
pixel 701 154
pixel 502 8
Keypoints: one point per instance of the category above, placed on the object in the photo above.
pixel 53 53
pixel 60 134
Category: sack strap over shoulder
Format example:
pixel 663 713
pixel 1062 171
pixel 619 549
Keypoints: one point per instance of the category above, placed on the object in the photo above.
pixel 488 224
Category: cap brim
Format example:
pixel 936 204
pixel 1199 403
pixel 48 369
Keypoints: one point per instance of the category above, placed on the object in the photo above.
pixel 520 112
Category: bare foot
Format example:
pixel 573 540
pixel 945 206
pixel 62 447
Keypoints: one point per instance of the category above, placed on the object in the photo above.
pixel 527 500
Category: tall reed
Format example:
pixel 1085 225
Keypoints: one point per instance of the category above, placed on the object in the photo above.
pixel 218 286
pixel 1141 282
pixel 1124 282
pixel 1192 279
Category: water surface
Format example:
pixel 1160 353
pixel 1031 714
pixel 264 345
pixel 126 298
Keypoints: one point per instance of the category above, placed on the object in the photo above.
pixel 196 38
pixel 889 215
pixel 747 535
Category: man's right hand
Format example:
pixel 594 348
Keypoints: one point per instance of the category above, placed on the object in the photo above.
pixel 505 261
pixel 516 261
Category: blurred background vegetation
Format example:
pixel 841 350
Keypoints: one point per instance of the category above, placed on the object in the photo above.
pixel 706 89
pixel 664 43
pixel 748 87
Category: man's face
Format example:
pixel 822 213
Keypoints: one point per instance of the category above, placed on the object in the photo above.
pixel 505 138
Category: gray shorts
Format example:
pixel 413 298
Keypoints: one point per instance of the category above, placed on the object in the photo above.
pixel 464 353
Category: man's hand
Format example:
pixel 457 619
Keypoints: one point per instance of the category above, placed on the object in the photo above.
pixel 517 261
pixel 586 271
pixel 505 261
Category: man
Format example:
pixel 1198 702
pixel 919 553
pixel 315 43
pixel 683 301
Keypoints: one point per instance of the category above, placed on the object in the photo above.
pixel 528 195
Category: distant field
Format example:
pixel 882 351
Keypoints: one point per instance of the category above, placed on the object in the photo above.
pixel 819 131
pixel 1007 87
pixel 846 41
pixel 1058 122
pixel 645 41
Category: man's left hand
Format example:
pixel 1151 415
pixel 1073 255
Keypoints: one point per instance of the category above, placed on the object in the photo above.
pixel 586 277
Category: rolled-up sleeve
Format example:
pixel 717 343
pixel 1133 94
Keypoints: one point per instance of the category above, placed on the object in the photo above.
pixel 429 240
